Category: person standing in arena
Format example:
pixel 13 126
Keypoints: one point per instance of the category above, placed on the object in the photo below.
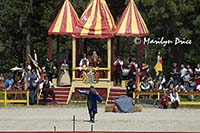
pixel 92 98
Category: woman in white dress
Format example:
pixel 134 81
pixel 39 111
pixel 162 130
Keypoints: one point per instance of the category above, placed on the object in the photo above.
pixel 63 76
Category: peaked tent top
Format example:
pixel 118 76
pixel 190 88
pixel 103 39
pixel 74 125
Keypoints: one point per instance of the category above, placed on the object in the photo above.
pixel 96 21
pixel 131 22
pixel 65 21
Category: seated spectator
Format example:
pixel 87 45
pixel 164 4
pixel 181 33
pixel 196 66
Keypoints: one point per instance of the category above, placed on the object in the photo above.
pixel 174 98
pixel 198 87
pixel 145 85
pixel 1 81
pixel 164 100
pixel 9 83
pixel 197 71
pixel 95 59
pixel 174 72
pixel 84 62
pixel 189 69
pixel 186 80
pixel 160 82
pixel 171 83
pixel 47 90
pixel 130 88
pixel 183 72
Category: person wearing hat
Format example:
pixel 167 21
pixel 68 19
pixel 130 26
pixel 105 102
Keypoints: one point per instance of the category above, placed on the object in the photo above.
pixel 92 98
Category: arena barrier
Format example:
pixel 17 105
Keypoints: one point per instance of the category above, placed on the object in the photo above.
pixel 92 132
pixel 158 94
pixel 5 99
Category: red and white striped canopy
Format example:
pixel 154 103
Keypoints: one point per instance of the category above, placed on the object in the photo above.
pixel 96 21
pixel 131 22
pixel 65 21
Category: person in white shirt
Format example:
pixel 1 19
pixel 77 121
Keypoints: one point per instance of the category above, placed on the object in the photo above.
pixel 183 72
pixel 174 97
pixel 84 62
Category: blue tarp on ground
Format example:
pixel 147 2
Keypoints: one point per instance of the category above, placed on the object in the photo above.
pixel 125 104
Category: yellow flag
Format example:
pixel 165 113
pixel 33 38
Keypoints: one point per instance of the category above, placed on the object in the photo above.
pixel 159 67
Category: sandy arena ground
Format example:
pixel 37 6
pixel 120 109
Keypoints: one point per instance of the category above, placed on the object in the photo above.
pixel 40 118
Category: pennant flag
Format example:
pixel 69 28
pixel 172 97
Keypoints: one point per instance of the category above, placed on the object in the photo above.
pixel 159 67
pixel 35 64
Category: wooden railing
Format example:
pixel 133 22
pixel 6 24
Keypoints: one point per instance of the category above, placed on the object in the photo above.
pixel 102 72
pixel 5 99
pixel 158 94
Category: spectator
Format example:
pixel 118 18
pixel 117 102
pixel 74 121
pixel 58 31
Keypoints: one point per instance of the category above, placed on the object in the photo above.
pixel 187 80
pixel 32 86
pixel 197 77
pixel 147 82
pixel 197 71
pixel 1 81
pixel 174 98
pixel 191 88
pixel 189 69
pixel 130 88
pixel 174 72
pixel 171 83
pixel 160 82
pixel 133 68
pixel 92 98
pixel 84 62
pixel 9 83
pixel 183 72
pixel 118 70
pixel 164 100
pixel 47 90
pixel 95 59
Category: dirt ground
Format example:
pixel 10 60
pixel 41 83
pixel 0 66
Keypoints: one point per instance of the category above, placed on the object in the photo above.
pixel 45 118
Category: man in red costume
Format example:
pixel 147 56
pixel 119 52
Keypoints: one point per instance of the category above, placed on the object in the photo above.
pixel 118 70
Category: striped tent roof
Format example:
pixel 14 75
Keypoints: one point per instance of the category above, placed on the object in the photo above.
pixel 65 21
pixel 96 21
pixel 131 22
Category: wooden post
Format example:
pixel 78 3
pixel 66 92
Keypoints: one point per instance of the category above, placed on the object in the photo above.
pixel 27 98
pixel 112 58
pixel 73 57
pixel 158 95
pixel 50 47
pixel 5 98
pixel 109 58
pixel 140 54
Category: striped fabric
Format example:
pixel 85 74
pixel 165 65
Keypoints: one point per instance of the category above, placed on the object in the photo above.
pixel 131 22
pixel 65 21
pixel 96 21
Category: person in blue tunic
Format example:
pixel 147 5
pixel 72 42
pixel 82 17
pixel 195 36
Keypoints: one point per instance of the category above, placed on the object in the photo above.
pixel 92 98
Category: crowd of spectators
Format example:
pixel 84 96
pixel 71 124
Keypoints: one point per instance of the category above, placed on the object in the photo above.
pixel 182 79
pixel 29 78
